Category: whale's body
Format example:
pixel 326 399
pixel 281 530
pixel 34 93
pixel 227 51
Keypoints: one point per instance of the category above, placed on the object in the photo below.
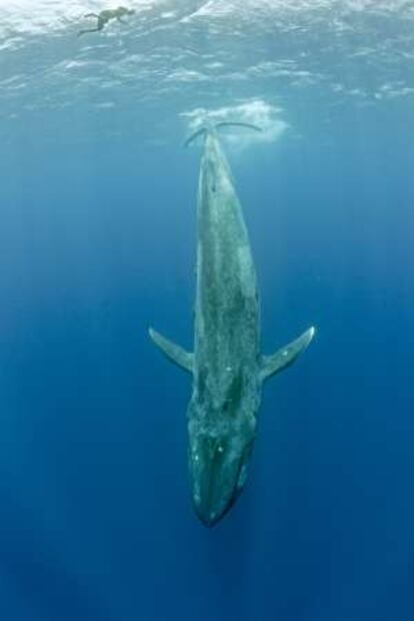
pixel 227 367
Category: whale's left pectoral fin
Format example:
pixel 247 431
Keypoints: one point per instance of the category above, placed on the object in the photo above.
pixel 174 352
pixel 285 356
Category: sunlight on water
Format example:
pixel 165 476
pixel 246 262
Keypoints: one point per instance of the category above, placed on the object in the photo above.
pixel 98 240
pixel 203 56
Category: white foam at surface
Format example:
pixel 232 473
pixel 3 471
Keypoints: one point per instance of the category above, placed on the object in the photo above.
pixel 254 111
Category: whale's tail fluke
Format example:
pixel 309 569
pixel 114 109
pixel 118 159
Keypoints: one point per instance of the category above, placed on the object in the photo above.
pixel 211 128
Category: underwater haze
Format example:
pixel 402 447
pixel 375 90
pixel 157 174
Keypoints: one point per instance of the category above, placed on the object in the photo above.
pixel 98 241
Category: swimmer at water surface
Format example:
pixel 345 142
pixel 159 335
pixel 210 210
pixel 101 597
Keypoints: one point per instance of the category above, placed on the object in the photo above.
pixel 105 16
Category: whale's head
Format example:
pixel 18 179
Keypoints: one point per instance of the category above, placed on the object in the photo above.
pixel 219 455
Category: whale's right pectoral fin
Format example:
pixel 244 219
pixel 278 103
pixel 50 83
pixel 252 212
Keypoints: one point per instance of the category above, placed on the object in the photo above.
pixel 285 356
pixel 174 352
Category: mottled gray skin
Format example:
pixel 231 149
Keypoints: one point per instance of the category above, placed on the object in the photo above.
pixel 226 388
pixel 228 369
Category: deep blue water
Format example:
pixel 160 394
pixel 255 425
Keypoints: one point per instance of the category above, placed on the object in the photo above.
pixel 97 242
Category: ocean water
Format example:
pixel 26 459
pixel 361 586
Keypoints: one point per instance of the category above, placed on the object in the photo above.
pixel 97 242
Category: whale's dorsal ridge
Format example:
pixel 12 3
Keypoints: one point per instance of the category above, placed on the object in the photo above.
pixel 285 356
pixel 175 353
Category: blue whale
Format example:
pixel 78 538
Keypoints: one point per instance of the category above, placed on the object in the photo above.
pixel 227 366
